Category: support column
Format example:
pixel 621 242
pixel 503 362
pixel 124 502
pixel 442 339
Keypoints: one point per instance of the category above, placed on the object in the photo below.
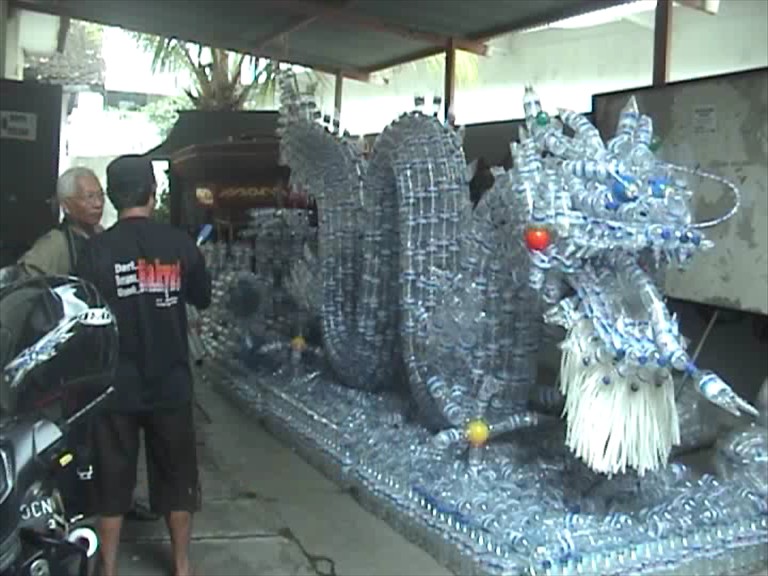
pixel 662 40
pixel 3 34
pixel 338 88
pixel 449 77
pixel 12 64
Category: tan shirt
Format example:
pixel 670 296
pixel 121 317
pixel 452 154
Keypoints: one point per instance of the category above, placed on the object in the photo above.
pixel 49 255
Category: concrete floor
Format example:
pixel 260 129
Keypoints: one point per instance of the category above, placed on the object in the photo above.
pixel 267 512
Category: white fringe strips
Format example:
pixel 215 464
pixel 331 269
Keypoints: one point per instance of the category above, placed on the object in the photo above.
pixel 624 423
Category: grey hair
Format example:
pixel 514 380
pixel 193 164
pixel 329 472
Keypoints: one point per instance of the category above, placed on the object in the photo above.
pixel 67 184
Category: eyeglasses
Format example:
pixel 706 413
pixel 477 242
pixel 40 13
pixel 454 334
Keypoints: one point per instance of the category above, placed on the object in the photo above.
pixel 92 197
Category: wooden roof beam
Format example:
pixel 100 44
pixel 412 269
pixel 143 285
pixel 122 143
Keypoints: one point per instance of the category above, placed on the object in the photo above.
pixel 411 57
pixel 303 21
pixel 569 10
pixel 341 12
pixel 61 38
pixel 449 81
pixel 285 56
pixel 294 27
pixel 662 42
pixel 60 9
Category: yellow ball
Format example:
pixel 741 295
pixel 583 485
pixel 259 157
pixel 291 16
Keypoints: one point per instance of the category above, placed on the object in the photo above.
pixel 299 344
pixel 477 432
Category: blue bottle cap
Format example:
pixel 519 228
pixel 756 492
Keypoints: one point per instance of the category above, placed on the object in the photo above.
pixel 657 189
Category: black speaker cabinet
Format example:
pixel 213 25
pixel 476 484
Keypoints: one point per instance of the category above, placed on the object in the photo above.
pixel 30 125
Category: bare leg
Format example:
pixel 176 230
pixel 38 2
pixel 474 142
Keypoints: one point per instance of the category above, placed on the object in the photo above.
pixel 180 528
pixel 109 540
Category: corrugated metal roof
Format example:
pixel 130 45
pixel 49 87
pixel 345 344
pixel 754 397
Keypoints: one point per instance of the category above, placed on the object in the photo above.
pixel 354 37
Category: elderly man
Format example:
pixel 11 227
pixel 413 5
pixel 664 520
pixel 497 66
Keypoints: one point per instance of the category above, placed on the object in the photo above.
pixel 81 198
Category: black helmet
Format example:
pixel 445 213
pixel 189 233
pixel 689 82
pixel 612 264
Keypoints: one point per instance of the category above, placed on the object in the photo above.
pixel 58 346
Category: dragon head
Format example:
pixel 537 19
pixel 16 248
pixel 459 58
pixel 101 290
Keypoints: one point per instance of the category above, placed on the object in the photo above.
pixel 604 219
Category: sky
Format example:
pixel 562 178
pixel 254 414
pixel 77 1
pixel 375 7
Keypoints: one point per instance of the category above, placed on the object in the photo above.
pixel 129 68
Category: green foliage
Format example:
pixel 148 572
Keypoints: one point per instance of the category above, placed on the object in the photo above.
pixel 164 112
pixel 168 55
pixel 264 91
pixel 216 73
pixel 93 33
pixel 162 211
pixel 81 63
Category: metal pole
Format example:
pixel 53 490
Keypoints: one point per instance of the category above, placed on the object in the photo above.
pixel 699 346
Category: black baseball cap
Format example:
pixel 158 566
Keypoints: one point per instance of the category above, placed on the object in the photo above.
pixel 130 181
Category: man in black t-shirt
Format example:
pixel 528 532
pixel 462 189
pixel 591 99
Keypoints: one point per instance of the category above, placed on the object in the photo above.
pixel 148 272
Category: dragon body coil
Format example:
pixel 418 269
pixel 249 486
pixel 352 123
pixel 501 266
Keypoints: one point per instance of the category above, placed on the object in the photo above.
pixel 417 285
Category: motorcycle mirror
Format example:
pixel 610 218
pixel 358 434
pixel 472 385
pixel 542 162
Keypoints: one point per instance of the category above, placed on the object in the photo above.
pixel 205 233
pixel 45 435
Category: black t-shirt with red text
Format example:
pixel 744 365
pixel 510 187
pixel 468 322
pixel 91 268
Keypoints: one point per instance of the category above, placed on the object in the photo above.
pixel 148 271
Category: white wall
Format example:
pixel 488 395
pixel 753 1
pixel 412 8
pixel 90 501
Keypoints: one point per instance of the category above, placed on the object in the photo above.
pixel 568 66
pixel 13 56
pixel 20 31
pixel 735 39
pixel 38 33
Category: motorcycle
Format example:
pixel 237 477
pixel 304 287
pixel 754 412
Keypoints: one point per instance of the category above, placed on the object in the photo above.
pixel 58 354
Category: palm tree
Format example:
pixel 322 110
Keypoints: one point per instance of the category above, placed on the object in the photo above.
pixel 216 73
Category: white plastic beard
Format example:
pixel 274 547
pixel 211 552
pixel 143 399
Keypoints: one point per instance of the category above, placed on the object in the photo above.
pixel 616 419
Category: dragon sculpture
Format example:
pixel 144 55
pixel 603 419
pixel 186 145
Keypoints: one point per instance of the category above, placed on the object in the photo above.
pixel 418 286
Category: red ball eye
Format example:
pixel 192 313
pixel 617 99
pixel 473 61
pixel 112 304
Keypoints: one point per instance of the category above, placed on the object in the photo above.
pixel 537 239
